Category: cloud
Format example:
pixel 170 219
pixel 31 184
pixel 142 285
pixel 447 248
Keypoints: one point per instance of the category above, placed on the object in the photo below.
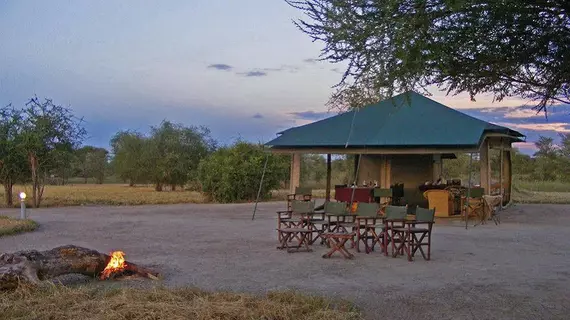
pixel 337 70
pixel 529 146
pixel 310 115
pixel 311 61
pixel 521 113
pixel 561 127
pixel 285 67
pixel 258 116
pixel 253 74
pixel 220 66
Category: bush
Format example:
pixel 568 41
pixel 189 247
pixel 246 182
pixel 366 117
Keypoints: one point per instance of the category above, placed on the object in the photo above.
pixel 232 174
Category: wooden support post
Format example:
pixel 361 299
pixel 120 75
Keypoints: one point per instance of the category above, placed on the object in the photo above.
pixel 385 172
pixel 508 176
pixel 356 164
pixel 437 168
pixel 502 166
pixel 485 166
pixel 295 172
pixel 329 169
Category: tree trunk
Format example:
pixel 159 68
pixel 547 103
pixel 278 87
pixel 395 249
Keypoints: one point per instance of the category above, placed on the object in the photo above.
pixel 31 266
pixel 158 186
pixel 173 187
pixel 8 193
pixel 35 183
pixel 131 183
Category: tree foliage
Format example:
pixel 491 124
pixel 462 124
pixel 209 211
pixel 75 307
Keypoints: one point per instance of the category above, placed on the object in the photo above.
pixel 503 48
pixel 174 152
pixel 128 161
pixel 233 173
pixel 13 166
pixel 49 132
pixel 91 162
pixel 169 155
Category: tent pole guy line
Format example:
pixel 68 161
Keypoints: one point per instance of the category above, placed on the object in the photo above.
pixel 260 185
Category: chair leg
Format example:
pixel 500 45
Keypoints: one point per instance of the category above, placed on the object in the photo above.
pixel 407 243
pixel 429 246
pixel 387 241
pixel 339 245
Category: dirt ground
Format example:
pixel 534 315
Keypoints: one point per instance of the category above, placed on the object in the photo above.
pixel 518 270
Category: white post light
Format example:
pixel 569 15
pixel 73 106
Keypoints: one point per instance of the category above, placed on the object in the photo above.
pixel 22 205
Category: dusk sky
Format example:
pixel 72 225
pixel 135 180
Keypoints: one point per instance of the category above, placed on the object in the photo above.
pixel 239 67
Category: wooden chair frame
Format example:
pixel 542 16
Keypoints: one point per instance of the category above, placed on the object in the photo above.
pixel 423 217
pixel 288 234
pixel 394 229
pixel 337 242
pixel 301 193
pixel 366 217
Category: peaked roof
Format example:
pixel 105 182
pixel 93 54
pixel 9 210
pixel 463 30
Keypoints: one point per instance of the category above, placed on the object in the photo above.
pixel 406 120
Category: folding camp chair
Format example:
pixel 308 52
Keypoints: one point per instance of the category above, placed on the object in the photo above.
pixel 295 218
pixel 342 218
pixel 366 217
pixel 476 204
pixel 420 232
pixel 301 193
pixel 395 231
pixel 381 194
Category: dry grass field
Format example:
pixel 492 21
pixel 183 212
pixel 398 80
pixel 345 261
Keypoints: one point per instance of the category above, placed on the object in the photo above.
pixel 58 302
pixel 120 194
pixel 108 194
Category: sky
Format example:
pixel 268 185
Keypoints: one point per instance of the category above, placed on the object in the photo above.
pixel 241 68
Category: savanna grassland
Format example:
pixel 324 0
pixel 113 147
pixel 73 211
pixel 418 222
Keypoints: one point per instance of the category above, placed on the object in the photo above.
pixel 122 194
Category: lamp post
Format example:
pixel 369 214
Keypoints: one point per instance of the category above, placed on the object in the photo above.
pixel 22 205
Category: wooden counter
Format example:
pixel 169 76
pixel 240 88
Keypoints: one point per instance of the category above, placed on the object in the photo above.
pixel 361 194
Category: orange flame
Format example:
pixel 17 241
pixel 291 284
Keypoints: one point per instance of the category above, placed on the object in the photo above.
pixel 117 263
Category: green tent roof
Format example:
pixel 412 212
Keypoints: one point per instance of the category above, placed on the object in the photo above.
pixel 406 120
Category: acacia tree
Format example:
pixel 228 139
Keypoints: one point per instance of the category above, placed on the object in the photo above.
pixel 48 130
pixel 128 160
pixel 91 162
pixel 565 155
pixel 504 48
pixel 174 153
pixel 12 156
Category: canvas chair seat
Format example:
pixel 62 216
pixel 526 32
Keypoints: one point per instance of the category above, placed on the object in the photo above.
pixel 418 230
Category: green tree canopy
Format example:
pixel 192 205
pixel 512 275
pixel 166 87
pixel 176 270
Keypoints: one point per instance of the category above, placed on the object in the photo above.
pixel 91 162
pixel 504 48
pixel 49 133
pixel 128 161
pixel 174 153
pixel 233 173
pixel 13 164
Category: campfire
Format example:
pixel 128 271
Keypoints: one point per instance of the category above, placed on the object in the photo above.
pixel 24 267
pixel 115 266
pixel 118 268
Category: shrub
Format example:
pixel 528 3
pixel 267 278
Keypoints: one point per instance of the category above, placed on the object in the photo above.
pixel 233 174
pixel 10 226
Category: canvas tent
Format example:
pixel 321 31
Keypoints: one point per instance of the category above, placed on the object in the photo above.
pixel 403 138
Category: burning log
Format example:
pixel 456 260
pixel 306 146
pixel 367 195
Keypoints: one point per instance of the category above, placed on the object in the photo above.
pixel 32 266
